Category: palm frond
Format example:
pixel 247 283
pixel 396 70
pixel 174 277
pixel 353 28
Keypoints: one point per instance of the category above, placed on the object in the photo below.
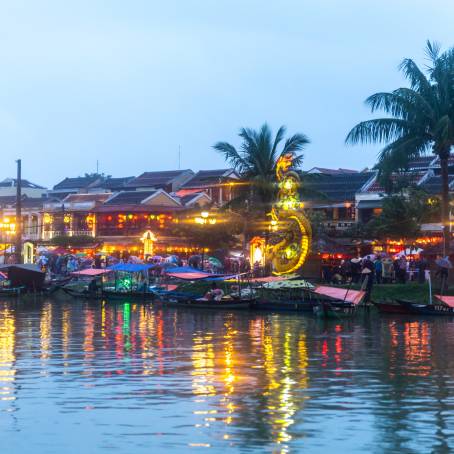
pixel 379 130
pixel 418 80
pixel 295 143
pixel 432 51
pixel 278 139
pixel 232 156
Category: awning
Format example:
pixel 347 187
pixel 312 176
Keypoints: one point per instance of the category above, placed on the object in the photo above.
pixel 365 204
pixel 91 272
pixel 130 267
pixel 23 266
pixel 448 300
pixel 341 294
pixel 191 274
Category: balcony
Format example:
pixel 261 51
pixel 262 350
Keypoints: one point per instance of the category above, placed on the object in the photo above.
pixel 48 235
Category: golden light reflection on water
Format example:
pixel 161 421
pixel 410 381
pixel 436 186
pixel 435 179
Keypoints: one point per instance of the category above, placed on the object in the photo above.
pixel 417 348
pixel 203 366
pixel 7 355
pixel 66 333
pixel 285 363
pixel 147 329
pixel 45 327
pixel 229 378
pixel 88 347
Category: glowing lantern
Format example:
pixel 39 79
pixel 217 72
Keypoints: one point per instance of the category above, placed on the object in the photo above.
pixel 257 250
pixel 148 239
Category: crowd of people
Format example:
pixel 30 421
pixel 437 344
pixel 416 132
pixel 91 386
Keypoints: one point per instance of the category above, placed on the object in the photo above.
pixel 381 270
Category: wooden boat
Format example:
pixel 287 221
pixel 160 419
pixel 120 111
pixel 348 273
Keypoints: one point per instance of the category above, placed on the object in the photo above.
pixel 335 302
pixel 284 295
pixel 226 302
pixel 275 305
pixel 391 307
pixel 85 293
pixel 12 291
pixel 22 278
pixel 441 306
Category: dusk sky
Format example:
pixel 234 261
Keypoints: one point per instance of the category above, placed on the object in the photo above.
pixel 128 82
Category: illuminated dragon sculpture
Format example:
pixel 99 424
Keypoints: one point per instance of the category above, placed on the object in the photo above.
pixel 292 232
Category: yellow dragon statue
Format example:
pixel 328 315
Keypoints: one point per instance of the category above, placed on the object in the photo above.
pixel 292 233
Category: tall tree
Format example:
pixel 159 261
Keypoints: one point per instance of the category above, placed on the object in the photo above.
pixel 256 159
pixel 420 119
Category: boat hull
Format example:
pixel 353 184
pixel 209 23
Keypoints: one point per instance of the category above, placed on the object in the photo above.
pixel 334 310
pixel 107 295
pixel 283 306
pixel 427 309
pixel 392 308
pixel 197 304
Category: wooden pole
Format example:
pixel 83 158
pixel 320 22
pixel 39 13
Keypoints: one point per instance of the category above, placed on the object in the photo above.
pixel 18 251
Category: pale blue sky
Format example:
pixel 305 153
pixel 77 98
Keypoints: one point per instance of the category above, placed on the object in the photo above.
pixel 127 82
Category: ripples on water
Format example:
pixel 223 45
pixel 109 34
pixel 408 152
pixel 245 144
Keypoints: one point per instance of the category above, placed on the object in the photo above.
pixel 89 377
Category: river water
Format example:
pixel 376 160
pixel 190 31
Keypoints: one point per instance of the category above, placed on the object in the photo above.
pixel 130 378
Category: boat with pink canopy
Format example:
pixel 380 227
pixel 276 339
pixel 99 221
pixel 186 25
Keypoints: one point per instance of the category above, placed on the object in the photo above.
pixel 335 302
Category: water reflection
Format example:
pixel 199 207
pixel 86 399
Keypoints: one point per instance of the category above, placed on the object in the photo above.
pixel 133 377
pixel 7 359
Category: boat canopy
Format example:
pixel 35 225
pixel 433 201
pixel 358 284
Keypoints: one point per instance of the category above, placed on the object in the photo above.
pixel 342 294
pixel 26 275
pixel 130 267
pixel 448 300
pixel 191 274
pixel 288 284
pixel 91 272
pixel 268 279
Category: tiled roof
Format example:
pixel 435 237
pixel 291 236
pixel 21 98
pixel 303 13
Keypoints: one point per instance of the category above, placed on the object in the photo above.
pixel 76 183
pixel 7 200
pixel 326 171
pixel 129 198
pixel 26 202
pixel 77 198
pixel 336 187
pixel 11 182
pixel 190 198
pixel 156 179
pixel 60 195
pixel 113 183
pixel 33 202
pixel 206 177
pixel 433 184
pixel 422 162
pixel 410 178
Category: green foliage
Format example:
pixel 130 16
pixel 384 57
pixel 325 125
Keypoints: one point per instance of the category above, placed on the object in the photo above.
pixel 317 219
pixel 255 161
pixel 75 241
pixel 419 118
pixel 219 236
pixel 402 215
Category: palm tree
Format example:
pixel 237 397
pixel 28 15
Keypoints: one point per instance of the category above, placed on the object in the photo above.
pixel 255 161
pixel 420 119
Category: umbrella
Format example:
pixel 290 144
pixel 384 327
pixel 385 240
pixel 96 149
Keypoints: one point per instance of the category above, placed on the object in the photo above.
pixel 215 262
pixel 444 263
